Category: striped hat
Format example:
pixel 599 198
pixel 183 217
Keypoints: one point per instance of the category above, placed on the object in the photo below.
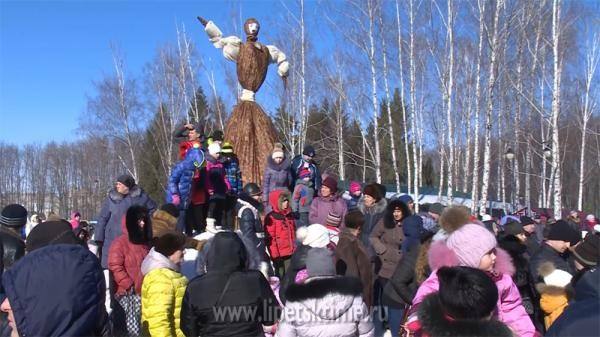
pixel 333 219
pixel 13 215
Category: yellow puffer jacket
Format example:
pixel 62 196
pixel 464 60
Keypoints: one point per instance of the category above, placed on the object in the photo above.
pixel 162 292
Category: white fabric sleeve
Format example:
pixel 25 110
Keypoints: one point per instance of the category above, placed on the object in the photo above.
pixel 230 44
pixel 277 56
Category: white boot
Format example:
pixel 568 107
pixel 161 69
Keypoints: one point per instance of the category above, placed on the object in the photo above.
pixel 210 225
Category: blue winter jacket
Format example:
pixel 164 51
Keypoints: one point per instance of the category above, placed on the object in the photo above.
pixel 297 163
pixel 57 290
pixel 233 173
pixel 180 180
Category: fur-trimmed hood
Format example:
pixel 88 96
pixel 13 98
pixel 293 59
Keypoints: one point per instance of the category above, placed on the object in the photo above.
pixel 328 297
pixel 435 323
pixel 116 197
pixel 379 206
pixel 442 256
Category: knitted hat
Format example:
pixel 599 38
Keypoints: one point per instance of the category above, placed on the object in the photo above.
pixel 486 217
pixel 525 220
pixel 126 180
pixel 319 262
pixel 277 151
pixel 406 198
pixel 507 218
pixel 315 235
pixel 454 217
pixel 333 219
pixel 513 228
pixel 470 243
pixel 587 252
pixel 214 148
pixel 436 208
pixel 304 173
pixel 13 215
pixel 51 233
pixel 373 191
pixel 331 183
pixel 591 218
pixel 308 151
pixel 558 278
pixel 171 209
pixel 227 148
pixel 169 243
pixel 354 187
pixel 561 231
pixel 354 219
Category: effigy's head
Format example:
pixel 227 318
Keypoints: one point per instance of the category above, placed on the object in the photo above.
pixel 251 28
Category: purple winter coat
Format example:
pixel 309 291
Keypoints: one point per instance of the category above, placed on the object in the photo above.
pixel 509 309
pixel 277 176
pixel 320 208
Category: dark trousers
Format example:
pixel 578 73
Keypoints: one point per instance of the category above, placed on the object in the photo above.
pixel 195 219
pixel 215 210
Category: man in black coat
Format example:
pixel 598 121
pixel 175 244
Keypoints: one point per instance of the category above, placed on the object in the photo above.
pixel 555 249
pixel 209 300
pixel 12 220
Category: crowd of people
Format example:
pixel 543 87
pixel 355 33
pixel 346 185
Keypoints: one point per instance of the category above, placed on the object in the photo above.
pixel 292 255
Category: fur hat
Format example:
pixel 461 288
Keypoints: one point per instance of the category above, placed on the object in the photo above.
pixel 354 219
pixel 126 180
pixel 51 233
pixel 354 187
pixel 373 191
pixel 277 151
pixel 454 217
pixel 562 231
pixel 331 183
pixel 214 148
pixel 315 235
pixel 169 243
pixel 319 262
pixel 470 243
pixel 587 251
pixel 13 215
pixel 171 209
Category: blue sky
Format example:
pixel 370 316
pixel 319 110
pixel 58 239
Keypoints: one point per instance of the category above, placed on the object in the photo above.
pixel 51 51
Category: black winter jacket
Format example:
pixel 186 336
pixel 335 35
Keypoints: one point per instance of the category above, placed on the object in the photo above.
pixel 226 287
pixel 548 254
pixel 402 286
pixel 13 246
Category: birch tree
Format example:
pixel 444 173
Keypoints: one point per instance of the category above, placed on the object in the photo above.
pixel 592 56
pixel 557 72
pixel 490 108
pixel 475 185
pixel 404 118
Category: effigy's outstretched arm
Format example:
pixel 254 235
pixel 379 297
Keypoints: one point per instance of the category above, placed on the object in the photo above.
pixel 278 57
pixel 229 44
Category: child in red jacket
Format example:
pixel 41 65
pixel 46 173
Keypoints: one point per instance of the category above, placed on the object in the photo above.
pixel 124 262
pixel 281 230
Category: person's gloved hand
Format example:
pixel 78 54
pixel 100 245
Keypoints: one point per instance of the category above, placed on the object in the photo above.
pixel 176 200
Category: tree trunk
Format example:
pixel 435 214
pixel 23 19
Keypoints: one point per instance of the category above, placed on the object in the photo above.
pixel 556 109
pixel 449 115
pixel 372 63
pixel 405 128
pixel 389 108
pixel 475 184
pixel 413 103
pixel 490 108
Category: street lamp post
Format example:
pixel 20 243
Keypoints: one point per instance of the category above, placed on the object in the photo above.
pixel 510 155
